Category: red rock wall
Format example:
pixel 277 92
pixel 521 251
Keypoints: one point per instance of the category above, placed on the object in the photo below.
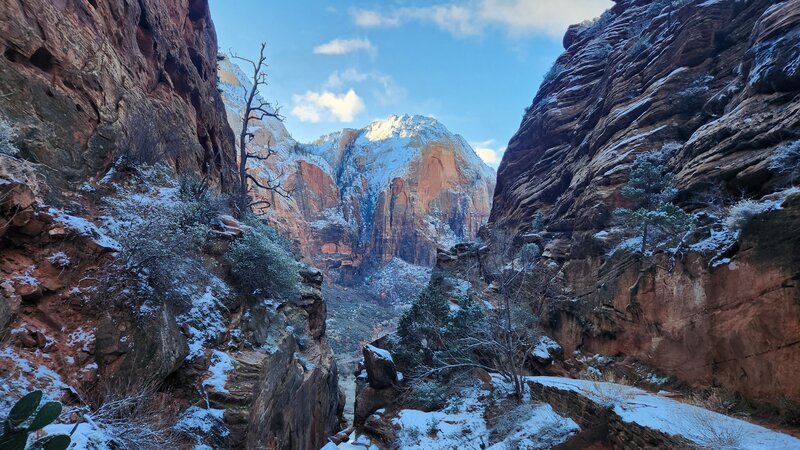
pixel 735 325
pixel 715 80
pixel 87 82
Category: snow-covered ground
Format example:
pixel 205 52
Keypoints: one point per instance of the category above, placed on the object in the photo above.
pixel 465 423
pixel 706 428
pixel 476 419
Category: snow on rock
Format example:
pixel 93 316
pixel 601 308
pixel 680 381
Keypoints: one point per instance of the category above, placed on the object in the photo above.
pixel 462 424
pixel 85 229
pixel 205 320
pixel 86 436
pixel 221 365
pixel 81 339
pixel 545 348
pixel 25 376
pixel 704 427
pixel 198 423
pixel 400 281
pixel 380 353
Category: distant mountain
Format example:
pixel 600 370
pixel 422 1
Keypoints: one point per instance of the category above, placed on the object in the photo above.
pixel 399 187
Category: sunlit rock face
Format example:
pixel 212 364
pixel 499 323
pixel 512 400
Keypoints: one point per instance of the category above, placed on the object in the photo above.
pixel 717 82
pixel 88 82
pixel 360 197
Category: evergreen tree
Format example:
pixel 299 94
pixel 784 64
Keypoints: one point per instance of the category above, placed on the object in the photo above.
pixel 651 188
pixel 538 223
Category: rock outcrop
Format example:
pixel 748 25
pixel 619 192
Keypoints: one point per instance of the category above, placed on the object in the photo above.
pixel 717 83
pixel 377 383
pixel 398 188
pixel 88 82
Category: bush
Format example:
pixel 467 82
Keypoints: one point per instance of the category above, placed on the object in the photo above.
pixel 159 258
pixel 555 71
pixel 420 326
pixel 789 412
pixel 786 159
pixel 639 40
pixel 137 420
pixel 538 223
pixel 262 264
pixel 161 237
pixel 429 394
pixel 7 135
pixel 592 27
pixel 745 211
pixel 528 255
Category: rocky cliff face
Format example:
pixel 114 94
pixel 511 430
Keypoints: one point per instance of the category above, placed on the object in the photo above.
pixel 718 83
pixel 397 188
pixel 117 119
pixel 88 82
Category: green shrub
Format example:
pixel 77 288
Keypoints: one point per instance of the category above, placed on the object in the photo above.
pixel 528 255
pixel 651 188
pixel 538 223
pixel 592 27
pixel 262 263
pixel 420 327
pixel 555 71
pixel 429 394
pixel 29 416
pixel 159 257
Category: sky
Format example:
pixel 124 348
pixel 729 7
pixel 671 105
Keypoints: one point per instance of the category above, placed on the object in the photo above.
pixel 474 65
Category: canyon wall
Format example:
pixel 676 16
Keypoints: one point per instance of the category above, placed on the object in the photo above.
pixel 717 85
pixel 112 105
pixel 87 82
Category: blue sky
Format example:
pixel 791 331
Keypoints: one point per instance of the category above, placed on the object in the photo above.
pixel 474 65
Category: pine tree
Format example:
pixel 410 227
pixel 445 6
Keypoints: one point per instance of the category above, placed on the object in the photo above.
pixel 651 188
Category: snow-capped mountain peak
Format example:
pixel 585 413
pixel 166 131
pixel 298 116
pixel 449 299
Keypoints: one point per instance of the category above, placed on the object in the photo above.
pixel 404 126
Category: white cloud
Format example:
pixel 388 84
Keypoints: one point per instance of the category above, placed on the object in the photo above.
pixel 345 46
pixel 385 89
pixel 487 153
pixel 455 19
pixel 326 106
pixel 373 19
pixel 551 17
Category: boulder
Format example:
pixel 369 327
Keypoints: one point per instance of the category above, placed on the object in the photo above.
pixel 370 400
pixel 381 371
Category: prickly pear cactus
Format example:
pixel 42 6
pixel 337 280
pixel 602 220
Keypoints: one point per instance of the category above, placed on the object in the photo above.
pixel 26 417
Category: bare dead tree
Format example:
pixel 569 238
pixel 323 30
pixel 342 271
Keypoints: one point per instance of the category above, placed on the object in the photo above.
pixel 256 109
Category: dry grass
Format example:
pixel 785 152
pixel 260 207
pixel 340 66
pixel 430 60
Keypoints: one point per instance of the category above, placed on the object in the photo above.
pixel 137 419
pixel 714 399
pixel 717 435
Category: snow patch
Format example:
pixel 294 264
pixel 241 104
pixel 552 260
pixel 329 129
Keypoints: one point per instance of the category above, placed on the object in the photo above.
pixel 221 365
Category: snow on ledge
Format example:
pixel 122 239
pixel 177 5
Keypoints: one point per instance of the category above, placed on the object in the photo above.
pixel 696 424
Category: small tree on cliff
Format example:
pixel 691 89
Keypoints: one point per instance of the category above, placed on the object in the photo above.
pixel 435 339
pixel 651 188
pixel 256 109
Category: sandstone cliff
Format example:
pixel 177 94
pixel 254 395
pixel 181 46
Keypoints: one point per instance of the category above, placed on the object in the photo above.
pixel 88 82
pixel 397 188
pixel 716 82
pixel 108 302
